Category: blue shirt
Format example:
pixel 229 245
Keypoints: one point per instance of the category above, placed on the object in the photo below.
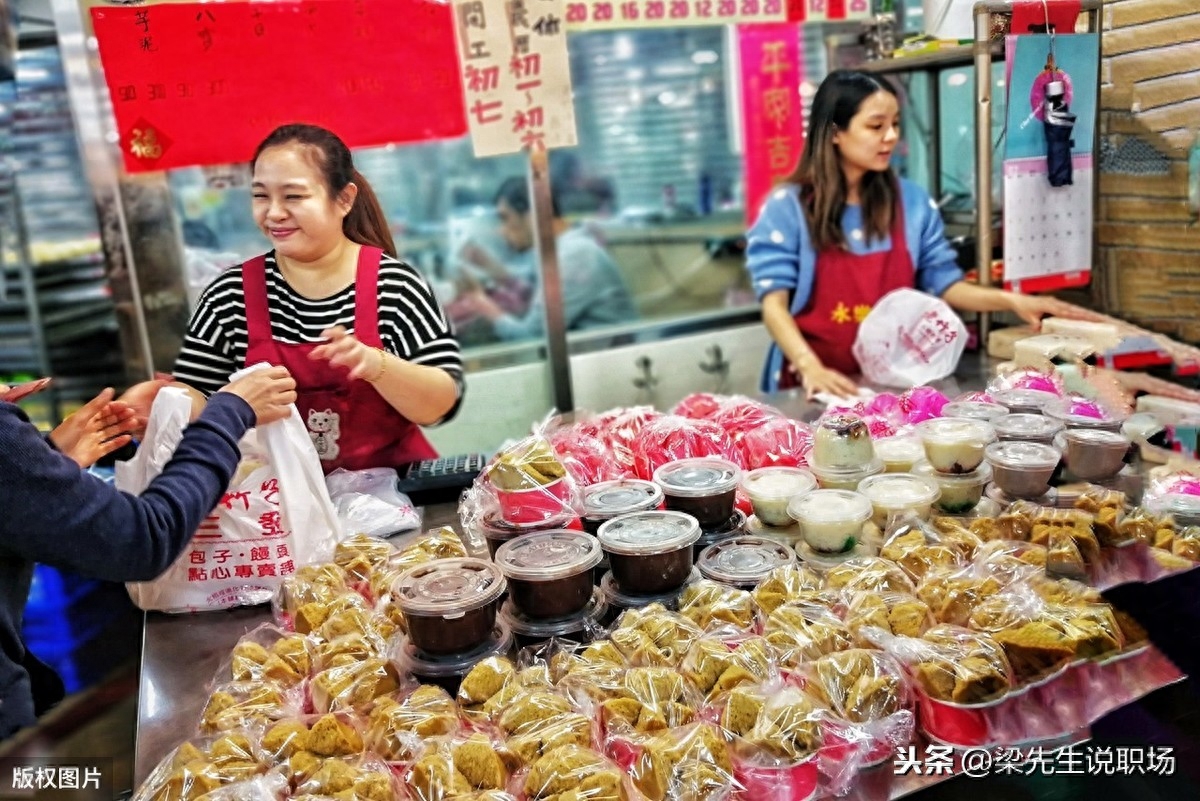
pixel 780 254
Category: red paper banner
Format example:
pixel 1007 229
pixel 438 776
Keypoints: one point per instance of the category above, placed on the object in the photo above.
pixel 203 83
pixel 1030 16
pixel 772 117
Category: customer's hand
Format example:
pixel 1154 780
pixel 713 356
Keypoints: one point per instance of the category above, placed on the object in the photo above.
pixel 1032 308
pixel 816 378
pixel 140 397
pixel 100 427
pixel 270 393
pixel 343 349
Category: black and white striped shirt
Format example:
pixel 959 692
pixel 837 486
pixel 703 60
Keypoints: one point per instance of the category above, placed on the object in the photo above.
pixel 412 324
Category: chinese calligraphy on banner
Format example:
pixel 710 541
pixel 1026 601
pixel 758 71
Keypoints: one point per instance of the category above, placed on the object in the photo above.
pixel 771 113
pixel 595 15
pixel 174 70
pixel 516 75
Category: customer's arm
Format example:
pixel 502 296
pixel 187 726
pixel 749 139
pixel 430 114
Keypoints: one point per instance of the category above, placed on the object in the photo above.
pixel 56 514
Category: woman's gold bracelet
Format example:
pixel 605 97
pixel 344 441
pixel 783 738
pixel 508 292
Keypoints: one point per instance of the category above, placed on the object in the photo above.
pixel 382 366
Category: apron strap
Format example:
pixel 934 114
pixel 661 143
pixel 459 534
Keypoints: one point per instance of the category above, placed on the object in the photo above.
pixel 254 288
pixel 366 297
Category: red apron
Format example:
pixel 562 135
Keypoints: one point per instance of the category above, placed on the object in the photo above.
pixel 351 425
pixel 845 287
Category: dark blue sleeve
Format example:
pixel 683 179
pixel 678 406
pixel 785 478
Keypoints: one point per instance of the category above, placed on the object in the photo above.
pixel 57 514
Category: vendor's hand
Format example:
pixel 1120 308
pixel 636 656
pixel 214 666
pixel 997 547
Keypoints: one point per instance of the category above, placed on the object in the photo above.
pixel 817 378
pixel 270 393
pixel 100 427
pixel 344 350
pixel 140 397
pixel 1032 308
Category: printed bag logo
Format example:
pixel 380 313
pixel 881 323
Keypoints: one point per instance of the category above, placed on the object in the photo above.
pixel 325 428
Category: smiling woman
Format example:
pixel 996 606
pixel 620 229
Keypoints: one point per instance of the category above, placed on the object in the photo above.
pixel 361 331
pixel 844 231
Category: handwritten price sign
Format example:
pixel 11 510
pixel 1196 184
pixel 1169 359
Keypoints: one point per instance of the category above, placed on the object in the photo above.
pixel 595 15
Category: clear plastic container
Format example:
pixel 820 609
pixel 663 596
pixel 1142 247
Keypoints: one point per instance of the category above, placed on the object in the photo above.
pixel 899 454
pixel 610 499
pixel 832 520
pixel 450 604
pixel 743 561
pixel 584 626
pixel 550 573
pixel 1094 454
pixel 1181 506
pixel 821 561
pixel 841 478
pixel 650 553
pixel 974 410
pixel 1023 469
pixel 447 672
pixel 897 493
pixel 842 441
pixel 1027 427
pixel 733 527
pixel 770 488
pixel 703 487
pixel 959 494
pixel 955 445
pixel 618 600
pixel 787 535
pixel 1066 411
pixel 1031 401
pixel 496 530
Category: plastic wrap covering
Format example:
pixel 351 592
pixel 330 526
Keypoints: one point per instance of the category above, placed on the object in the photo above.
pixel 670 438
pixel 689 764
pixel 197 768
pixel 921 548
pixel 711 605
pixel 894 613
pixel 619 429
pixel 777 733
pixel 777 441
pixel 867 574
pixel 457 767
pixel 527 483
pixel 586 456
pixel 398 726
pixel 800 633
pixel 715 666
pixel 654 636
pixel 367 502
pixel 784 584
pixel 574 772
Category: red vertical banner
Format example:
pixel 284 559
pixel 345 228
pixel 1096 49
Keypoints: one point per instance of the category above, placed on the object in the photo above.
pixel 772 117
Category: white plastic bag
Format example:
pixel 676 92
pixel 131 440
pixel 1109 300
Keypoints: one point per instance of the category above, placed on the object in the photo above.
pixel 367 502
pixel 275 518
pixel 909 339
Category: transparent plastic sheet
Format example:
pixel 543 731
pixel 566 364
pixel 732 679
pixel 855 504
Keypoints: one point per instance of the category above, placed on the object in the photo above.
pixel 202 766
pixel 398 726
pixel 800 633
pixel 921 548
pixel 353 684
pixel 711 605
pixel 362 556
pixel 1011 561
pixel 271 786
pixel 715 665
pixel 691 763
pixel 367 502
pixel 459 766
pixel 654 636
pixel 573 771
pixel 867 574
pixel 1025 378
pixel 619 429
pixel 314 587
pixel 669 438
pixel 1013 523
pixel 700 405
pixel 777 441
pixel 777 732
pixel 895 613
pixel 1036 640
pixel 871 703
pixel 362 777
pixel 528 483
pixel 740 416
pixel 586 456
pixel 242 704
pixel 648 700
pixel 784 584
pixel 888 414
pixel 952 596
pixel 269 655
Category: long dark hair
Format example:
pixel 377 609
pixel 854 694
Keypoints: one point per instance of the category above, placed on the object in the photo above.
pixel 366 223
pixel 822 183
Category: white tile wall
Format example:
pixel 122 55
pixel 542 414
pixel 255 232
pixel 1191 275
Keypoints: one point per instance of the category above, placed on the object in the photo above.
pixel 502 404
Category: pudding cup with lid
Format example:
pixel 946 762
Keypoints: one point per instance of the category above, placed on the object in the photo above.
pixel 1026 427
pixel 845 478
pixel 770 488
pixel 650 553
pixel 832 520
pixel 1023 469
pixel 703 487
pixel 959 493
pixel 974 410
pixel 900 453
pixel 842 441
pixel 1031 401
pixel 549 574
pixel 743 561
pixel 609 499
pixel 1094 454
pixel 955 445
pixel 1068 412
pixel 897 493
pixel 450 604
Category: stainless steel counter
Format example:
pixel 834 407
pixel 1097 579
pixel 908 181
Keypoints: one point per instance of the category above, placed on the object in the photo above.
pixel 181 653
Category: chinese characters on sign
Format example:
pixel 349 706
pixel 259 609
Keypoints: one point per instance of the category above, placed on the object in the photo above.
pixel 772 118
pixel 1071 760
pixel 516 76
pixel 171 65
pixel 260 546
pixel 38 778
pixel 593 15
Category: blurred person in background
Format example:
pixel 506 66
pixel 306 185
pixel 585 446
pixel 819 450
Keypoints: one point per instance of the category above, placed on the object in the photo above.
pixel 843 231
pixel 57 514
pixel 594 292
pixel 372 352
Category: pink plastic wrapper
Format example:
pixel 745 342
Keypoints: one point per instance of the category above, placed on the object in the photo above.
pixel 778 441
pixel 1029 379
pixel 700 406
pixel 619 429
pixel 586 456
pixel 672 437
pixel 922 403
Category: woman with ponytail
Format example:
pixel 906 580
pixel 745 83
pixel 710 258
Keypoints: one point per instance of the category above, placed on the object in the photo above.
pixel 843 231
pixel 369 345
